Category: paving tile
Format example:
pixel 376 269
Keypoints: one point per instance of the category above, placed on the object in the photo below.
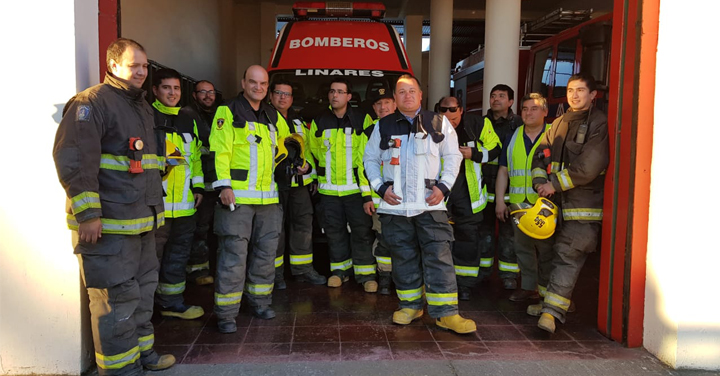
pixel 269 334
pixel 365 351
pixel 533 333
pixel 178 332
pixel 583 333
pixel 315 351
pixel 360 318
pixel 483 318
pixel 440 334
pixel 499 333
pixel 415 350
pixel 563 350
pixel 211 336
pixel 409 333
pixel 510 347
pixel 316 319
pixel 521 318
pixel 212 354
pixel 316 334
pixel 280 319
pixel 463 350
pixel 607 349
pixel 362 334
pixel 258 352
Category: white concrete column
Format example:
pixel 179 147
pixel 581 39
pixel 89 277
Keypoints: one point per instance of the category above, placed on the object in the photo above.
pixel 502 40
pixel 40 290
pixel 441 17
pixel 413 42
pixel 682 319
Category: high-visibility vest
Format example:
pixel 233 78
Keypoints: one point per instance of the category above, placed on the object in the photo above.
pixel 520 166
pixel 245 152
pixel 473 170
pixel 299 128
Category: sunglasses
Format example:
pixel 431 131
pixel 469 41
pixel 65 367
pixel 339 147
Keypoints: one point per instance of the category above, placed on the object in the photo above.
pixel 451 109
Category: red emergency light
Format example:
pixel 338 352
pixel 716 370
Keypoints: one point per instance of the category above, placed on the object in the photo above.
pixel 305 9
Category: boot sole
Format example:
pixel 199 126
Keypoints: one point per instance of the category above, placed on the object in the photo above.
pixel 443 327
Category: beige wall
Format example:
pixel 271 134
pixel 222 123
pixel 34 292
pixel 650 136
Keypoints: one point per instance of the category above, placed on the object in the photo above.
pixel 40 292
pixel 682 320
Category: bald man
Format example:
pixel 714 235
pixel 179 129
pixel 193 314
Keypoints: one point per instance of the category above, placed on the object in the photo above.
pixel 243 139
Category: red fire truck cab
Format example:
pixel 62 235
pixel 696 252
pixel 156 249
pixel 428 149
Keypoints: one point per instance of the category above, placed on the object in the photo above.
pixel 348 41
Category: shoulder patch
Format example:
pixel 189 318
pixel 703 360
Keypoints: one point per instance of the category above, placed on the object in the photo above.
pixel 83 113
pixel 220 122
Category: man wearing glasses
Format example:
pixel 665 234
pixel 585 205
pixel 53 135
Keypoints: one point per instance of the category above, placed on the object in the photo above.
pixel 336 140
pixel 202 110
pixel 478 145
pixel 295 199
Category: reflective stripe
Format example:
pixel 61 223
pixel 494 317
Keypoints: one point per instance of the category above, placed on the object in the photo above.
pixel 255 194
pixel 198 180
pixel 146 343
pixel 491 197
pixel 565 181
pixel 555 166
pixel 122 226
pixel 376 184
pixel 481 202
pixel 365 189
pixel 584 214
pixel 348 156
pixel 301 259
pixel 409 295
pixel 539 173
pixel 343 265
pixel 122 163
pixel 486 262
pixel 279 261
pixel 176 206
pixel 258 289
pixel 253 166
pixel 170 289
pixel 85 200
pixel 384 260
pixel 557 301
pixel 542 290
pixel 508 267
pixel 441 299
pixel 193 268
pixel 467 271
pixel 118 361
pixel 222 183
pixel 338 188
pixel 228 299
pixel 364 269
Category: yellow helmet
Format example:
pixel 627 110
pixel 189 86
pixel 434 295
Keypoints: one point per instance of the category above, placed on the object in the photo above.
pixel 173 155
pixel 292 147
pixel 538 221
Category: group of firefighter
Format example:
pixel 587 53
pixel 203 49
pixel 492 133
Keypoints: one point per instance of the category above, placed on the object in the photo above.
pixel 406 196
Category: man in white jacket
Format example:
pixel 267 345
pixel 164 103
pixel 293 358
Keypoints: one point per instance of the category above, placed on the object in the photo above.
pixel 413 185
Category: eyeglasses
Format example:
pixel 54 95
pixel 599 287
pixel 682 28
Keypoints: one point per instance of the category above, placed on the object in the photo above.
pixel 341 92
pixel 206 92
pixel 282 94
pixel 451 109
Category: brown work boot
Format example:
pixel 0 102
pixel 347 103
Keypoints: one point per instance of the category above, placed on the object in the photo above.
pixel 521 295
pixel 405 316
pixel 547 322
pixel 370 286
pixel 337 281
pixel 158 362
pixel 457 324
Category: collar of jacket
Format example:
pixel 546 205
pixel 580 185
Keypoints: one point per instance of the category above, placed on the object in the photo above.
pixel 165 109
pixel 264 107
pixel 572 115
pixel 402 116
pixel 125 88
pixel 507 118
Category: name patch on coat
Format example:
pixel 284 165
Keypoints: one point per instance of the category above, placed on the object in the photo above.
pixel 83 113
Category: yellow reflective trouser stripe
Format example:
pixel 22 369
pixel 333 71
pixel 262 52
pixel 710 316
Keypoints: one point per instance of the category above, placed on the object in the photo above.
pixel 364 269
pixel 258 289
pixel 146 342
pixel 196 267
pixel 409 295
pixel 118 361
pixel 486 262
pixel 557 301
pixel 279 261
pixel 539 173
pixel 122 226
pixel 301 259
pixel 228 299
pixel 441 299
pixel 542 290
pixel 508 267
pixel 344 265
pixel 565 181
pixel 384 260
pixel 85 200
pixel 467 271
pixel 122 163
pixel 584 214
pixel 170 289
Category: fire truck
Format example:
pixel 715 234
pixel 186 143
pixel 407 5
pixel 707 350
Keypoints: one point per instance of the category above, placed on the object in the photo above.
pixel 325 40
pixel 548 63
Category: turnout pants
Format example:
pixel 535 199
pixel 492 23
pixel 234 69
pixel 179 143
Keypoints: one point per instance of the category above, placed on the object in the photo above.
pixel 297 217
pixel 352 250
pixel 173 242
pixel 234 229
pixel 535 258
pixel 503 242
pixel 120 274
pixel 199 262
pixel 420 251
pixel 574 242
pixel 380 248
pixel 466 249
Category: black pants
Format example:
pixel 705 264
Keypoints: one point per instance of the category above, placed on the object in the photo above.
pixel 503 242
pixel 173 242
pixel 199 262
pixel 467 248
pixel 297 218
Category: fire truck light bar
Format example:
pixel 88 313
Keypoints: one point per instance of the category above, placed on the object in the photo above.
pixel 305 9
